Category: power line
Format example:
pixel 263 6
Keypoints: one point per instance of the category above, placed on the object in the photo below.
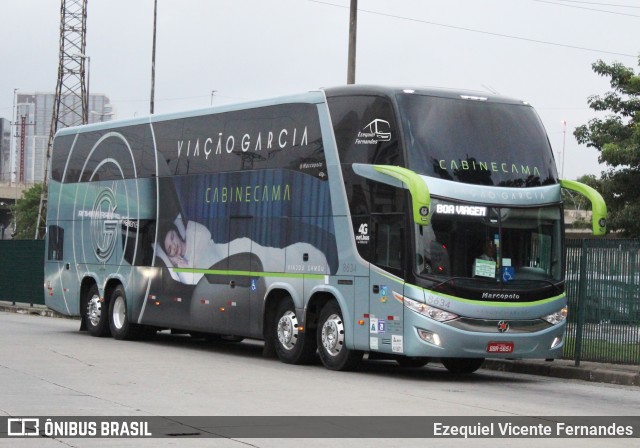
pixel 600 4
pixel 556 3
pixel 471 30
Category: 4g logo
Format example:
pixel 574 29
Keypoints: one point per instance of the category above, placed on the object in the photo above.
pixel 363 234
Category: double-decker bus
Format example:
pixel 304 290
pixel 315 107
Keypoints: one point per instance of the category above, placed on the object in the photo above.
pixel 407 224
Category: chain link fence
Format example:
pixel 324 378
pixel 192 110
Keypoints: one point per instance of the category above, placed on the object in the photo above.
pixel 603 288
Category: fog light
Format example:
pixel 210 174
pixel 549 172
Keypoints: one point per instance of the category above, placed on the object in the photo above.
pixel 430 337
pixel 556 341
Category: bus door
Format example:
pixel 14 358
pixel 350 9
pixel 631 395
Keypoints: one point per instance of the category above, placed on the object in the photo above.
pixel 61 273
pixel 240 263
pixel 388 238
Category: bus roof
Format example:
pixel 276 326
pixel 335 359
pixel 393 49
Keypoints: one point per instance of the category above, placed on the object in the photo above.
pixel 358 89
pixel 308 97
pixel 317 96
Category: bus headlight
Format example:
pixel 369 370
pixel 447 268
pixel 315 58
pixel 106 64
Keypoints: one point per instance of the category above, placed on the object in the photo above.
pixel 557 317
pixel 429 311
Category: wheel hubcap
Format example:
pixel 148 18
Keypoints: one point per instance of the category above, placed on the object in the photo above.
pixel 333 335
pixel 119 308
pixel 288 330
pixel 94 310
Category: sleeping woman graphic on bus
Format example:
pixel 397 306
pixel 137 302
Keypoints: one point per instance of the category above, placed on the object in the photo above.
pixel 189 246
pixel 192 246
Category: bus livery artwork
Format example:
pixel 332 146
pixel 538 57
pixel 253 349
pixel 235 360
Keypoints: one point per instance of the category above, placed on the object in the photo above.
pixel 405 223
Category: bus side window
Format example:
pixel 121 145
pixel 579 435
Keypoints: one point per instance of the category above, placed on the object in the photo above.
pixel 137 241
pixel 389 242
pixel 356 115
pixel 56 243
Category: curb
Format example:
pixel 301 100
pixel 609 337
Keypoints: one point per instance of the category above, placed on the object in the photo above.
pixel 600 374
pixel 34 310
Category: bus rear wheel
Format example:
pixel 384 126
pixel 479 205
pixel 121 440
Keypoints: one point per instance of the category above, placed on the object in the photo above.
pixel 462 365
pixel 331 340
pixel 95 313
pixel 291 343
pixel 121 327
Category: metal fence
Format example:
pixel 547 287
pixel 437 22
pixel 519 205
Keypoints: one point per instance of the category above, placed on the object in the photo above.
pixel 22 271
pixel 603 287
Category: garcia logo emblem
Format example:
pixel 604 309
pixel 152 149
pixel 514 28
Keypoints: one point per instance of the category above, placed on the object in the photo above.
pixel 503 326
pixel 104 224
pixel 377 131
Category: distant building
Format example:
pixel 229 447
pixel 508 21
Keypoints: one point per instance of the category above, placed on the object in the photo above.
pixel 34 112
pixel 5 149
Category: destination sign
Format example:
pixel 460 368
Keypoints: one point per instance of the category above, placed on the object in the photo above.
pixel 465 210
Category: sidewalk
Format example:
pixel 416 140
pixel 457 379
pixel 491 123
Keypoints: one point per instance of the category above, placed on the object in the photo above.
pixel 626 375
pixel 26 308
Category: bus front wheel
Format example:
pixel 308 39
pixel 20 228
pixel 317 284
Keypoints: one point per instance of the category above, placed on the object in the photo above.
pixel 291 344
pixel 121 327
pixel 95 313
pixel 462 365
pixel 331 340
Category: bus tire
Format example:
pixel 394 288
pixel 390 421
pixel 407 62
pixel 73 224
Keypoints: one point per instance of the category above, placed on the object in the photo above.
pixel 95 313
pixel 121 327
pixel 331 340
pixel 292 346
pixel 462 365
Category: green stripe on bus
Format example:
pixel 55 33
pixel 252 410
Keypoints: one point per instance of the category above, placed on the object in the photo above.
pixel 499 304
pixel 250 274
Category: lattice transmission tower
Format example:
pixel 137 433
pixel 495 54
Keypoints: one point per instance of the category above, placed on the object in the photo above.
pixel 71 102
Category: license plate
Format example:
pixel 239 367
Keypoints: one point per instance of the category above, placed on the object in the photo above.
pixel 500 347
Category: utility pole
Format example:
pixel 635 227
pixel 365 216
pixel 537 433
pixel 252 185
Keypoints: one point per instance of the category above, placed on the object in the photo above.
pixel 153 58
pixel 353 25
pixel 564 141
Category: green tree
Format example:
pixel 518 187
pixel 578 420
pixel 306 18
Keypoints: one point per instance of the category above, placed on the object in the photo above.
pixel 617 138
pixel 25 213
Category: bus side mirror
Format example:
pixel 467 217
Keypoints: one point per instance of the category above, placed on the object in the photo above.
pixel 401 178
pixel 598 206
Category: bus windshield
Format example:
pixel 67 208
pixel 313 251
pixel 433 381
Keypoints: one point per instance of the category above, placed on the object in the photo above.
pixel 497 244
pixel 476 141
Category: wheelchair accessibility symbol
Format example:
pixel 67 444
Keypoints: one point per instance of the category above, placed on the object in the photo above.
pixel 508 273
pixel 253 284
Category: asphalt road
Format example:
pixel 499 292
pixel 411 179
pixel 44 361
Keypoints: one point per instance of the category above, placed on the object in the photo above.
pixel 48 367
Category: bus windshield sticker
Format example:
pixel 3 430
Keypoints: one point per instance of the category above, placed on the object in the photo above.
pixel 397 343
pixel 377 131
pixel 484 268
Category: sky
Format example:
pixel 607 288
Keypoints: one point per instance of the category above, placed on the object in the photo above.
pixel 539 51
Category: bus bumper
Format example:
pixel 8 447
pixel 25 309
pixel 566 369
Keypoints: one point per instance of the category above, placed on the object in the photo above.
pixel 424 337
